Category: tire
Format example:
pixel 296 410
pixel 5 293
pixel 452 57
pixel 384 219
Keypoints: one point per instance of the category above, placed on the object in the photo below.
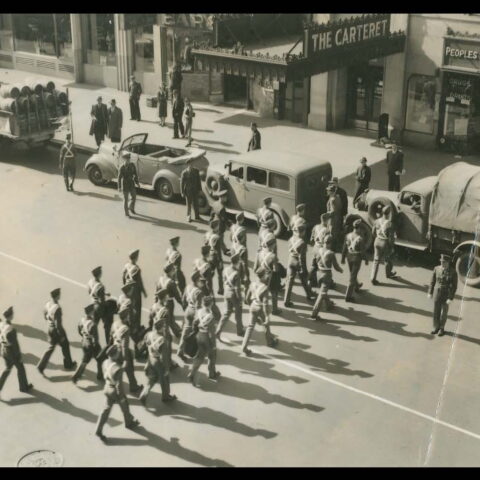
pixel 468 268
pixel 215 183
pixel 203 205
pixel 279 228
pixel 365 229
pixel 164 190
pixel 95 176
pixel 375 209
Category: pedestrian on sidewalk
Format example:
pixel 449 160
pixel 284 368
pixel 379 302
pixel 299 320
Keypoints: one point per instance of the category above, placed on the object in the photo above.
pixel 115 122
pixel 395 168
pixel 255 141
pixel 99 125
pixel 127 179
pixel 177 113
pixel 363 176
pixel 67 162
pixel 162 104
pixel 189 114
pixel 191 186
pixel 134 91
pixel 175 80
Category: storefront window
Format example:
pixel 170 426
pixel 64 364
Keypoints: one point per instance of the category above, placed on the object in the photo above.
pixel 420 104
pixel 99 39
pixel 144 48
pixel 64 36
pixel 6 36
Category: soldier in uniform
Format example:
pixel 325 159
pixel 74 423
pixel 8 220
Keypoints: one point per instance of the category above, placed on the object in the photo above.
pixel 167 282
pixel 342 195
pixel 113 372
pixel 297 263
pixel 443 287
pixel 192 301
pixel 354 250
pixel 191 186
pixel 384 234
pixel 157 368
pixel 174 257
pixel 233 296
pixel 257 297
pixel 90 346
pixel 334 208
pixel 103 310
pixel 121 338
pixel 214 241
pixel 127 179
pixel 134 91
pixel 205 324
pixel 267 231
pixel 264 214
pixel 239 245
pixel 299 216
pixel 56 333
pixel 319 232
pixel 220 213
pixel 11 354
pixel 324 259
pixel 67 162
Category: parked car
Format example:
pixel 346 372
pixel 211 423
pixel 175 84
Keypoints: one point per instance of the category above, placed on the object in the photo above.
pixel 289 178
pixel 436 214
pixel 158 167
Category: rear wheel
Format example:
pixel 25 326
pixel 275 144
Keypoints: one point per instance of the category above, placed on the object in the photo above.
pixel 279 227
pixel 95 175
pixel 468 267
pixel 164 190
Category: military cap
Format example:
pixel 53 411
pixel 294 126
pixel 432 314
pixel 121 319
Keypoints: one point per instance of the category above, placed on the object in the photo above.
pixel 325 216
pixel 8 312
pixel 357 223
pixel 127 287
pixel 126 155
pixel 89 308
pixel 55 293
pixel 113 350
pixel 235 257
pixel 168 267
pixel 386 210
pixel 239 217
pixel 267 200
pixel 300 207
pixel 445 258
pixel 328 239
pixel 133 254
pixel 96 271
pixel 205 250
pixel 363 160
pixel 124 306
pixel 174 240
pixel 221 193
pixel 207 299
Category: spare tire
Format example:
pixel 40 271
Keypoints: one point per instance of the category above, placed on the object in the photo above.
pixel 376 207
pixel 468 267
pixel 215 183
pixel 365 229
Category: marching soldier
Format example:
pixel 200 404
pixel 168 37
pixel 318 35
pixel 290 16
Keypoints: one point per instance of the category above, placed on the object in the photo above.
pixel 238 249
pixel 354 250
pixel 214 241
pixel 324 259
pixel 443 287
pixel 103 310
pixel 90 346
pixel 298 217
pixel 264 214
pixel 191 186
pixel 319 232
pixel 56 333
pixel 127 179
pixel 67 162
pixel 205 324
pixel 121 338
pixel 267 231
pixel 220 213
pixel 233 296
pixel 257 297
pixel 113 372
pixel 239 239
pixel 334 208
pixel 174 257
pixel 157 368
pixel 10 351
pixel 192 300
pixel 384 234
pixel 297 263
pixel 167 282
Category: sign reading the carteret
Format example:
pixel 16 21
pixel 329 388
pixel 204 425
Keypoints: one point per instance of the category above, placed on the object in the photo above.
pixel 333 35
pixel 462 53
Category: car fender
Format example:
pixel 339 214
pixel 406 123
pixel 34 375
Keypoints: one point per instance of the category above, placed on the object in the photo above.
pixel 281 212
pixel 109 170
pixel 170 176
pixel 464 245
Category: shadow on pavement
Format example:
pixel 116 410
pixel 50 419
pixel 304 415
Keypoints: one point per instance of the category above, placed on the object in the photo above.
pixel 166 223
pixel 213 142
pixel 17 402
pixel 31 332
pixel 100 196
pixel 245 119
pixel 214 149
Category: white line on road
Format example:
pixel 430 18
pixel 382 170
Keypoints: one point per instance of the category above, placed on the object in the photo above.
pixel 288 364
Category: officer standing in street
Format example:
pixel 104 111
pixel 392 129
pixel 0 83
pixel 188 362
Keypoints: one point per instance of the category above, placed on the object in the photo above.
pixel 257 297
pixel 90 346
pixel 67 162
pixel 354 250
pixel 395 168
pixel 317 238
pixel 324 259
pixel 363 176
pixel 56 333
pixel 214 241
pixel 103 310
pixel 127 179
pixel 233 297
pixel 157 368
pixel 113 372
pixel 174 257
pixel 191 187
pixel 297 263
pixel 11 354
pixel 134 92
pixel 167 282
pixel 384 234
pixel 443 287
pixel 205 325
pixel 255 142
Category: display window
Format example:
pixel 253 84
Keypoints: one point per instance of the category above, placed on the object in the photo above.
pixel 421 104
pixel 144 48
pixel 99 39
pixel 6 33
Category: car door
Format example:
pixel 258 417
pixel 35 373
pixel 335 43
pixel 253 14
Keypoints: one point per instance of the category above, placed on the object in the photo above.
pixel 412 222
pixel 255 187
pixel 235 176
pixel 135 146
pixel 148 167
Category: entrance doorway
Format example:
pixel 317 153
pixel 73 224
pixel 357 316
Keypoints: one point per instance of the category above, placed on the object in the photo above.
pixel 235 90
pixel 365 90
pixel 294 102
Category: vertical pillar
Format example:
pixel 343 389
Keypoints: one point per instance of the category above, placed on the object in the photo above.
pixel 124 52
pixel 76 26
pixel 163 53
pixel 157 51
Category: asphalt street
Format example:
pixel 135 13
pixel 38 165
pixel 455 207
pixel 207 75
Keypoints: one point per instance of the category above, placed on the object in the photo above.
pixel 368 386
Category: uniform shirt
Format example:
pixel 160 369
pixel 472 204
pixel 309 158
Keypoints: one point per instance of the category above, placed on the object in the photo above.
pixel 67 155
pixel 266 259
pixel 93 286
pixel 297 247
pixel 193 297
pixel 394 162
pixel 213 240
pixel 112 372
pixel 127 176
pixel 354 244
pixel 9 346
pixel 232 281
pixel 319 232
pixel 53 314
pixel 190 181
pixel 238 234
pixel 258 295
pixel 206 321
pixel 334 205
pixel 169 284
pixel 264 214
pixel 120 334
pixel 297 220
pixel 174 256
pixel 133 273
pixel 220 214
pixel 443 284
pixel 135 89
pixel 155 342
pixel 326 259
pixel 88 331
pixel 383 229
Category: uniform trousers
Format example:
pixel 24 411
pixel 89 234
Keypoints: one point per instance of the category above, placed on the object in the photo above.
pixel 440 312
pixel 393 182
pixel 257 315
pixel 157 371
pixel 354 262
pixel 111 398
pixel 10 362
pixel 57 337
pixel 324 281
pixel 293 270
pixel 187 328
pixel 206 348
pixel 90 350
pixel 69 171
pixel 135 108
pixel 192 201
pixel 383 252
pixel 129 191
pixel 233 304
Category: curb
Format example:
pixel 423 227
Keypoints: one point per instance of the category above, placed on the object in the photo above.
pixel 80 148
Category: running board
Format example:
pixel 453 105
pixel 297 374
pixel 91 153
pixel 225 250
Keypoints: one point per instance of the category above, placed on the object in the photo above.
pixel 416 246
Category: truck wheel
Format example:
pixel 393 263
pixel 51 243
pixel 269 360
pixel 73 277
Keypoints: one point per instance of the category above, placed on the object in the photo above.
pixel 365 229
pixel 375 209
pixel 279 227
pixel 95 176
pixel 468 268
pixel 164 190
pixel 215 183
pixel 203 205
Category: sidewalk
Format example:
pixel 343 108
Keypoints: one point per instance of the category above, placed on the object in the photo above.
pixel 224 132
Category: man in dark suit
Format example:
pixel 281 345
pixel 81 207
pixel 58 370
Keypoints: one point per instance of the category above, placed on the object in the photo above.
pixel 190 186
pixel 134 91
pixel 99 126
pixel 394 168
pixel 342 194
pixel 255 141
pixel 177 113
pixel 363 176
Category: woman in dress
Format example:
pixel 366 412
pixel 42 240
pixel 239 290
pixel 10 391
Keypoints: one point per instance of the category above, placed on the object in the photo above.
pixel 162 104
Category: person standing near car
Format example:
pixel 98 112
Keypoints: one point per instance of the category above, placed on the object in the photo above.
pixel 115 122
pixel 363 176
pixel 162 104
pixel 189 114
pixel 395 168
pixel 99 125
pixel 177 113
pixel 134 91
pixel 67 162
pixel 255 141
pixel 127 179
pixel 191 187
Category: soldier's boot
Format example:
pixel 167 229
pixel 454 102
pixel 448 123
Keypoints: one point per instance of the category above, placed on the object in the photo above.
pixel 42 364
pixel 68 363
pixel 238 319
pixel 275 309
pixel 67 186
pixel 349 293
pixel 102 420
pixel 316 308
pixel 288 291
pixel 129 420
pixel 79 372
pixel 272 340
pixel 4 376
pixel 389 273
pixel 165 386
pixel 308 292
pixel 374 274
pixel 212 371
pixel 23 384
pixel 220 283
pixel 246 340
